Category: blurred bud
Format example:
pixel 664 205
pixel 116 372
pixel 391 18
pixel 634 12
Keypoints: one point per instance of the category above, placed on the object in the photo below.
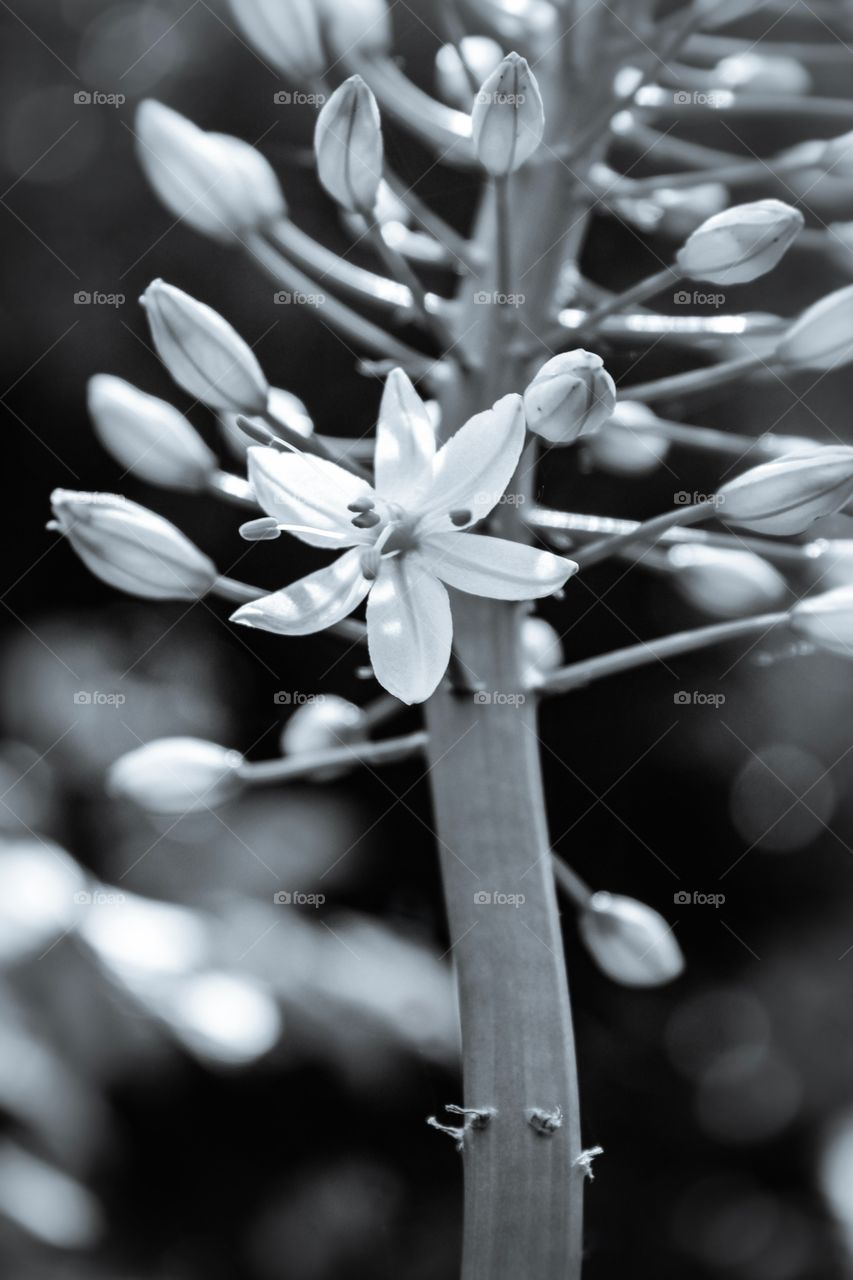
pixel 683 210
pixel 508 118
pixel 285 33
pixel 177 775
pixel 131 548
pixel 839 244
pixel 627 444
pixel 722 13
pixel 203 353
pixel 284 407
pixel 533 23
pixel 148 436
pixel 827 620
pixel 789 494
pixel 218 184
pixel 541 649
pixel 355 26
pixel 481 55
pixel 348 146
pixel 572 395
pixel 836 156
pixel 822 338
pixel 752 72
pixel 629 941
pixel 724 583
pixel 741 243
pixel 322 726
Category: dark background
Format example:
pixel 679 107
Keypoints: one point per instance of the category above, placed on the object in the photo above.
pixel 723 1102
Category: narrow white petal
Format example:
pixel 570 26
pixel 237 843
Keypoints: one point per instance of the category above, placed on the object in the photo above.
pixel 311 493
pixel 494 567
pixel 405 440
pixel 471 472
pixel 409 629
pixel 312 603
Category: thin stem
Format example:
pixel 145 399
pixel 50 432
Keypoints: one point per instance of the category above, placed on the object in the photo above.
pixel 647 532
pixel 698 380
pixel 292 768
pixel 462 250
pixel 381 711
pixel 570 882
pixel 639 292
pixel 223 484
pixel 424 303
pixel 444 130
pixel 739 171
pixel 324 264
pixel 580 674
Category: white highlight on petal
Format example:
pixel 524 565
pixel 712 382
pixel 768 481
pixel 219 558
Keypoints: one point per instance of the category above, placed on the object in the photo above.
pixel 405 440
pixel 309 495
pixel 475 466
pixel 495 567
pixel 409 629
pixel 313 603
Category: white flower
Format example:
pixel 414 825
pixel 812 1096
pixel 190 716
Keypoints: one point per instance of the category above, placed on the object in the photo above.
pixel 405 536
pixel 572 395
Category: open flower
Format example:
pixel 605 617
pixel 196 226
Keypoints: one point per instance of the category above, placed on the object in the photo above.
pixel 405 537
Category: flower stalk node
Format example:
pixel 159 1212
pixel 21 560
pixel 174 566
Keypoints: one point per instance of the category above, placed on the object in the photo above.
pixel 545 1122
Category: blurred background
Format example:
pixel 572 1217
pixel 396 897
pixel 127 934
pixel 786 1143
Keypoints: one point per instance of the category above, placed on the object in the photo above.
pixel 196 1081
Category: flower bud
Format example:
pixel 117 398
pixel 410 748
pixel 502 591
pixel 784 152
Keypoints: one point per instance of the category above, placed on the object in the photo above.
pixel 148 436
pixel 131 548
pixel 827 620
pixel 203 353
pixel 741 243
pixel 177 775
pixel 348 146
pixel 481 55
pixel 822 338
pixel 355 26
pixel 508 119
pixel 629 941
pixel 787 495
pixel 839 244
pixel 541 649
pixel 681 211
pixel 218 184
pixel 627 445
pixel 285 33
pixel 571 395
pixel 724 583
pixel 836 156
pixel 323 725
pixel 761 73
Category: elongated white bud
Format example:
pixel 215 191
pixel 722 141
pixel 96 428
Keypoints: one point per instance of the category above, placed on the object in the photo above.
pixel 741 243
pixel 481 55
pixel 508 119
pixel 753 72
pixel 628 445
pixel 285 33
pixel 203 353
pixel 789 494
pixel 724 583
pixel 836 156
pixel 839 243
pixel 822 337
pixel 148 436
pixel 571 395
pixel 177 775
pixel 324 725
pixel 348 146
pixel 827 620
pixel 220 185
pixel 355 26
pixel 629 941
pixel 130 547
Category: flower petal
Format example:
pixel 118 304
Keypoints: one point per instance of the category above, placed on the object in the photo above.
pixel 310 493
pixel 494 567
pixel 312 603
pixel 405 440
pixel 472 471
pixel 409 628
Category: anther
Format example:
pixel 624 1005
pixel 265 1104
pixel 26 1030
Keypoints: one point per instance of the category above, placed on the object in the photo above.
pixel 370 559
pixel 263 530
pixel 361 504
pixel 460 516
pixel 367 520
